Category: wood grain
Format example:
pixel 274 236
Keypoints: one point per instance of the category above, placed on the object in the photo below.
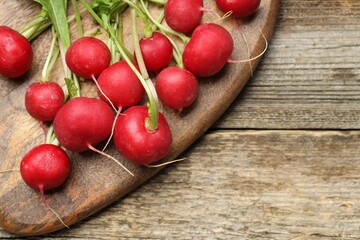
pixel 244 185
pixel 309 78
pixel 95 182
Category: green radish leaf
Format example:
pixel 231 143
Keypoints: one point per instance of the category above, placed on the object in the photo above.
pixel 109 8
pixel 72 88
pixel 57 11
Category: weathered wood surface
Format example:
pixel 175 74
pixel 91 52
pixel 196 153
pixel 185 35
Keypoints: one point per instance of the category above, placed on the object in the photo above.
pixel 282 163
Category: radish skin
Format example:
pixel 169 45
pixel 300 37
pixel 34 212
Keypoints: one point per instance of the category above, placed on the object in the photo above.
pixel 138 144
pixel 208 50
pixel 87 57
pixel 16 53
pixel 83 121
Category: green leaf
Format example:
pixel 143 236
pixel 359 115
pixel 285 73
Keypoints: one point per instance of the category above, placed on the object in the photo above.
pixel 108 7
pixel 57 10
pixel 72 88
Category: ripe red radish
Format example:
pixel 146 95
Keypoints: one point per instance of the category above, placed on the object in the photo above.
pixel 138 144
pixel 43 100
pixel 45 167
pixel 82 123
pixel 16 53
pixel 157 51
pixel 121 85
pixel 87 57
pixel 239 8
pixel 183 15
pixel 208 50
pixel 177 88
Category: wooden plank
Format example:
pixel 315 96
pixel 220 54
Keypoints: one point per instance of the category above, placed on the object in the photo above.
pixel 310 76
pixel 244 185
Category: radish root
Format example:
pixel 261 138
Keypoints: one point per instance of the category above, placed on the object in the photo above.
pixel 165 163
pixel 108 156
pixel 254 58
pixel 101 91
pixel 113 128
pixel 225 16
pixel 41 188
pixel 248 52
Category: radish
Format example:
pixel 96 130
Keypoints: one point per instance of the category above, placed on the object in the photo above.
pixel 157 51
pixel 45 167
pixel 183 15
pixel 136 142
pixel 208 50
pixel 83 123
pixel 43 100
pixel 177 88
pixel 121 86
pixel 238 8
pixel 87 57
pixel 15 53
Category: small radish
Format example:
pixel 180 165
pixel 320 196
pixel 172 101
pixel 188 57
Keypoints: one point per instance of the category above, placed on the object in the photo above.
pixel 83 123
pixel 43 100
pixel 208 50
pixel 16 53
pixel 157 51
pixel 45 167
pixel 238 8
pixel 87 57
pixel 183 15
pixel 177 88
pixel 136 142
pixel 121 86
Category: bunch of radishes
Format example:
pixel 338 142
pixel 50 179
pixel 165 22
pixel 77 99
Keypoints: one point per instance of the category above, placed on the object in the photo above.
pixel 78 123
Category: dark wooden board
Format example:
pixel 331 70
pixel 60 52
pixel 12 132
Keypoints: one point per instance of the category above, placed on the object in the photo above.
pixel 95 182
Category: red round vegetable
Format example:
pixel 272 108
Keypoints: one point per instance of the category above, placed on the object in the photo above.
pixel 208 50
pixel 183 15
pixel 82 123
pixel 43 100
pixel 138 144
pixel 239 8
pixel 177 88
pixel 87 57
pixel 45 167
pixel 16 53
pixel 157 51
pixel 121 85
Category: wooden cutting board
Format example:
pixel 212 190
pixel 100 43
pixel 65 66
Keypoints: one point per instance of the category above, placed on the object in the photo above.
pixel 95 181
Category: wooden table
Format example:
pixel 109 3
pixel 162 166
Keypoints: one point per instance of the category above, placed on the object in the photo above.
pixel 282 163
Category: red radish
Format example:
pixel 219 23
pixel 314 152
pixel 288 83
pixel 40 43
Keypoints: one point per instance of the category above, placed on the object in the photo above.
pixel 239 8
pixel 208 50
pixel 157 51
pixel 45 167
pixel 43 100
pixel 83 123
pixel 177 88
pixel 183 15
pixel 120 84
pixel 138 144
pixel 16 53
pixel 87 57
